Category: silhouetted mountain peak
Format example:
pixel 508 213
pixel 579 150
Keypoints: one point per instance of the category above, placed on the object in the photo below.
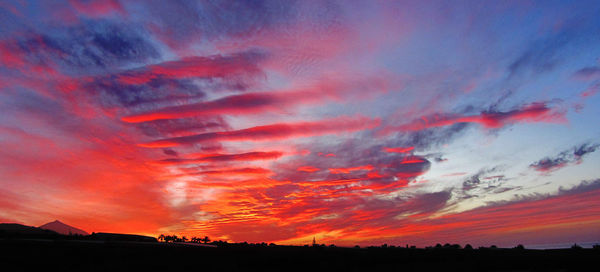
pixel 63 228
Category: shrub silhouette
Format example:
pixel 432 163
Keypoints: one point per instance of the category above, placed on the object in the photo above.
pixel 519 247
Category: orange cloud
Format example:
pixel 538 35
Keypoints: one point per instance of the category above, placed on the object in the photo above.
pixel 307 168
pixel 350 169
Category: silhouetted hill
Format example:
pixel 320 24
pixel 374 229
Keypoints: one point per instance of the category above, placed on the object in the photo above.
pixel 63 228
pixel 121 237
pixel 13 229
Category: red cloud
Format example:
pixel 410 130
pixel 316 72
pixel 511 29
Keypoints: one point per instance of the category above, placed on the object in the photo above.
pixel 591 91
pixel 250 156
pixel 235 171
pixel 258 102
pixel 575 155
pixel 248 103
pixel 275 131
pixel 309 169
pixel 10 56
pixel 216 66
pixel 398 149
pixel 350 169
pixel 324 183
pixel 536 112
pixel 411 160
pixel 251 184
pixel 97 8
pixel 352 219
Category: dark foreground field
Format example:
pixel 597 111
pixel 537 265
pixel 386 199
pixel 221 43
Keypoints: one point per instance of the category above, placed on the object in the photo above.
pixel 64 255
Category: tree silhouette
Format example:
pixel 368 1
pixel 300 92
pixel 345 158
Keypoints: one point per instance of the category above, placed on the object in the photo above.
pixel 172 238
pixel 520 247
pixel 206 239
pixel 161 238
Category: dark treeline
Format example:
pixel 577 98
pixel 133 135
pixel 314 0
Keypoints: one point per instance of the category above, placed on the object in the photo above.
pixel 182 239
pixel 32 249
pixel 69 255
pixel 207 240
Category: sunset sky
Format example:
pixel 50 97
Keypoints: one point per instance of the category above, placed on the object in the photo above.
pixel 354 122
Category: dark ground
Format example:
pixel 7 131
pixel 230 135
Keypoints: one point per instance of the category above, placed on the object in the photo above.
pixel 73 255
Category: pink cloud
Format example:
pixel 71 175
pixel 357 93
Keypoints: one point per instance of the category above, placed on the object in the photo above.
pixel 275 131
pixel 533 113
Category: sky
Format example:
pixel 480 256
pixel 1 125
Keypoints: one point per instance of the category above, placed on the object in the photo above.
pixel 354 122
